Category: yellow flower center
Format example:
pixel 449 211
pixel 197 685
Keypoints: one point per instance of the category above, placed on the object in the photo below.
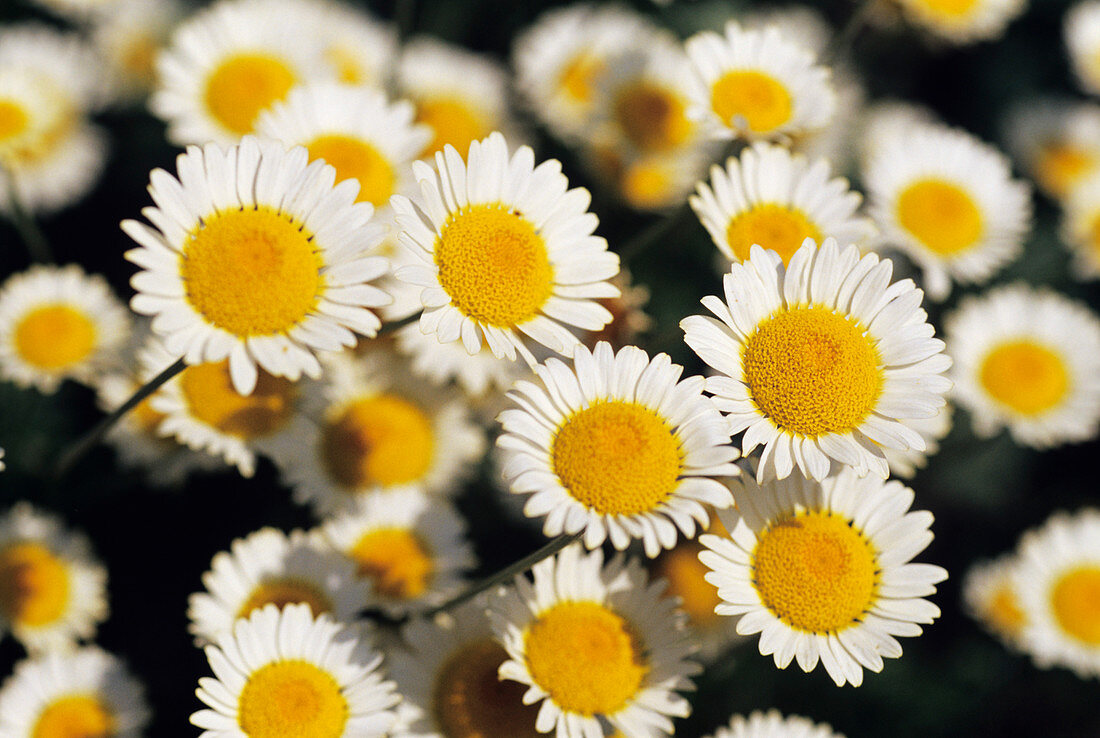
pixel 13 119
pixel 1003 611
pixel 34 584
pixel 588 658
pixel 383 440
pixel 651 116
pixel 139 58
pixel 941 215
pixel 469 700
pixel 1075 600
pixel 349 69
pixel 286 591
pixel 761 100
pixel 684 571
pixel 55 337
pixel 952 9
pixel 396 560
pixel 781 228
pixel 358 160
pixel 245 84
pixel 494 265
pixel 1059 166
pixel 252 272
pixel 75 716
pixel 453 121
pixel 292 699
pixel 578 77
pixel 647 183
pixel 1027 377
pixel 812 371
pixel 815 572
pixel 208 391
pixel 617 458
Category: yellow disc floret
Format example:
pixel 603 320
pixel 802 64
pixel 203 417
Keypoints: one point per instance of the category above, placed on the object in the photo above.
pixel 651 116
pixel 586 657
pixel 812 371
pixel 815 572
pixel 761 100
pixel 469 699
pixel 578 77
pixel 75 716
pixel 292 699
pixel 1075 602
pixel 210 397
pixel 780 228
pixel 1059 166
pixel 55 337
pixel 252 272
pixel 396 560
pixel 685 574
pixel 356 159
pixel 453 121
pixel 1004 612
pixel 617 458
pixel 243 85
pixel 34 584
pixel 944 217
pixel 950 9
pixel 494 265
pixel 14 120
pixel 383 439
pixel 286 591
pixel 1026 376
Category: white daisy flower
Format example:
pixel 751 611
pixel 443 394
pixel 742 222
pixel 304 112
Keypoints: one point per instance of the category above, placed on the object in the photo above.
pixel 272 567
pixel 823 360
pixel 821 570
pixel 85 693
pixel 1028 360
pixel 656 181
pixel 282 672
pixel 949 202
pixel 758 84
pixel 770 197
pixel 772 724
pixel 1081 227
pixel 129 38
pixel 257 257
pixel 991 595
pixel 1081 31
pixel 1056 140
pixel 411 548
pixel 357 48
pixel 478 375
pixel 885 121
pixel 963 21
pixel 1059 585
pixel 629 680
pixel 905 463
pixel 227 63
pixel 59 323
pixel 53 592
pixel 617 447
pixel 505 248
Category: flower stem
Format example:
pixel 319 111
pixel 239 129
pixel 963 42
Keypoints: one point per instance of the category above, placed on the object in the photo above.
pixel 25 224
pixel 649 235
pixel 846 36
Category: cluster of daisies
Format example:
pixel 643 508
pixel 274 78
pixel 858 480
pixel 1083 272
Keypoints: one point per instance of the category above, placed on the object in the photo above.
pixel 360 271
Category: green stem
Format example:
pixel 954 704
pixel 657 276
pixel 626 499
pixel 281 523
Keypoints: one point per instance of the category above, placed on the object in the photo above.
pixel 651 234
pixel 26 225
pixel 388 328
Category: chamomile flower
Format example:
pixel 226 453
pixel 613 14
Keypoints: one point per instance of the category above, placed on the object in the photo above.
pixel 272 567
pixel 772 724
pixel 284 672
pixel 1081 227
pixel 1081 31
pixel 617 447
pixel 412 549
pixel 655 181
pixel 905 463
pixel 758 84
pixel 963 21
pixel 821 570
pixel 823 360
pixel 1059 584
pixel 949 202
pixel 991 593
pixel 52 590
pixel 129 38
pixel 476 374
pixel 85 693
pixel 356 47
pixel 227 63
pixel 775 199
pixel 1057 141
pixel 257 257
pixel 630 680
pixel 1028 360
pixel 59 323
pixel 504 249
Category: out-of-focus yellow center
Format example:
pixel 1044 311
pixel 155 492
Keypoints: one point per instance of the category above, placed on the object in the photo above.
pixel 781 228
pixel 651 116
pixel 245 84
pixel 348 66
pixel 139 59
pixel 953 9
pixel 383 439
pixel 647 183
pixel 286 591
pixel 208 391
pixel 1075 601
pixel 292 699
pixel 494 265
pixel 453 121
pixel 684 572
pixel 469 700
pixel 55 337
pixel 579 75
pixel 1026 376
pixel 944 217
pixel 760 99
pixel 586 657
pixel 1004 612
pixel 812 371
pixel 617 458
pixel 396 560
pixel 252 272
pixel 34 584
pixel 1059 166
pixel 815 572
pixel 75 716
pixel 14 119
pixel 358 160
